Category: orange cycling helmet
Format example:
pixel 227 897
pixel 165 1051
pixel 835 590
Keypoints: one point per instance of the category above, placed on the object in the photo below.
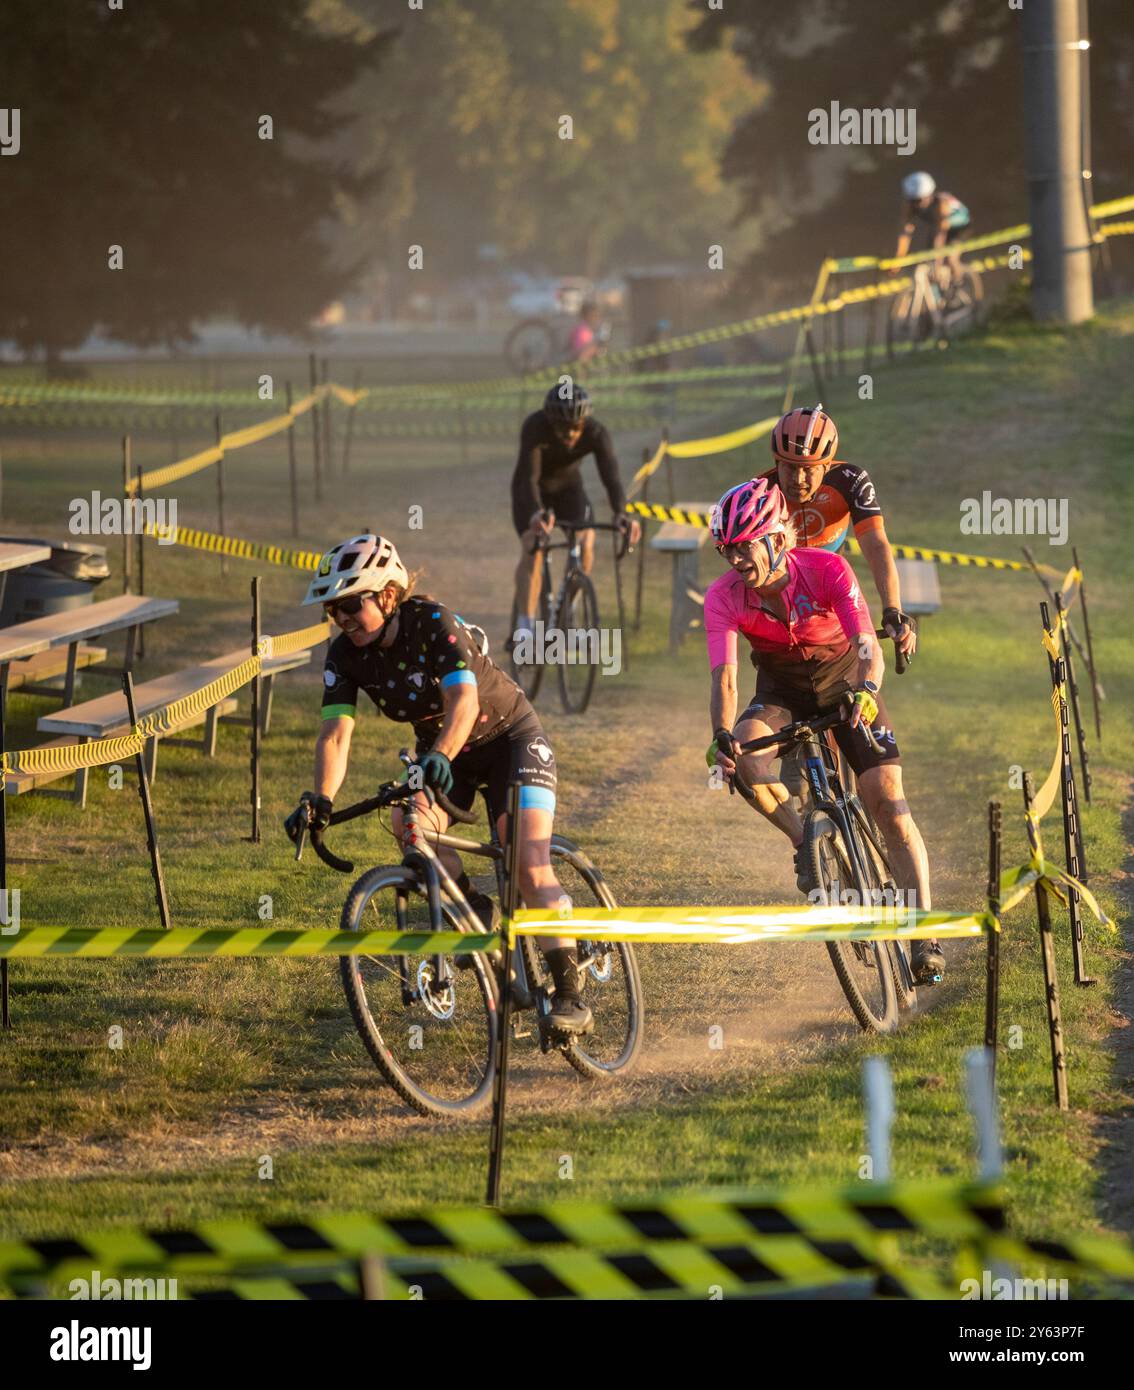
pixel 807 435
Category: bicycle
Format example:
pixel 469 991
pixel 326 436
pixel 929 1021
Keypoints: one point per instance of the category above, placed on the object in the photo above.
pixel 846 852
pixel 573 613
pixel 429 1021
pixel 536 343
pixel 938 304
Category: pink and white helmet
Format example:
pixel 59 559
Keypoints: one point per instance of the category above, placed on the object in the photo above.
pixel 748 511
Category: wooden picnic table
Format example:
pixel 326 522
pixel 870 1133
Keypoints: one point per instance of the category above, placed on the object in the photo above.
pixel 75 625
pixel 15 555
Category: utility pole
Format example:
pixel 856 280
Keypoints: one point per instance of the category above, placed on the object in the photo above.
pixel 1055 57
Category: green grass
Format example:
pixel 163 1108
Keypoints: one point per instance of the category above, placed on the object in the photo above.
pixel 227 1061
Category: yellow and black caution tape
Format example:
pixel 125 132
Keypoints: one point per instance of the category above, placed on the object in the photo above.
pixel 951 1209
pixel 235 439
pixel 656 511
pixel 233 545
pixel 99 752
pixel 101 943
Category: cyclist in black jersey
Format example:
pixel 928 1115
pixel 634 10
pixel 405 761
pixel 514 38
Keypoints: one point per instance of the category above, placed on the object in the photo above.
pixel 547 484
pixel 421 664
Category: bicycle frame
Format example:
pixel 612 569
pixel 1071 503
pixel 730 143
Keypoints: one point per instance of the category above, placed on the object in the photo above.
pixel 829 795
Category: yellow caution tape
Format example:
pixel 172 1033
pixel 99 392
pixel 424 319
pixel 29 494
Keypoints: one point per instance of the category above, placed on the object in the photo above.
pixel 742 925
pixel 235 439
pixel 99 752
pixel 719 444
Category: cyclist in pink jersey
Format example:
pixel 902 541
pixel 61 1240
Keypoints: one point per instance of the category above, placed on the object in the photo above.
pixel 813 646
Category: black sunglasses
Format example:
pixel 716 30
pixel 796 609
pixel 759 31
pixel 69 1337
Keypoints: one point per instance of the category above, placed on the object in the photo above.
pixel 349 606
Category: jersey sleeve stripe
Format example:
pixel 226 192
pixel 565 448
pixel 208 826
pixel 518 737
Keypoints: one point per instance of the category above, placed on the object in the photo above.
pixel 457 678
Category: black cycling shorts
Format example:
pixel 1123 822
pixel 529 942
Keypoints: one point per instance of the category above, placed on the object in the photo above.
pixel 522 754
pixel 807 689
pixel 569 504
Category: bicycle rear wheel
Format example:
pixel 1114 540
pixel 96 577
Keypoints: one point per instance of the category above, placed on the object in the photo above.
pixel 429 1026
pixel 609 983
pixel 530 346
pixel 881 878
pixel 864 968
pixel 578 620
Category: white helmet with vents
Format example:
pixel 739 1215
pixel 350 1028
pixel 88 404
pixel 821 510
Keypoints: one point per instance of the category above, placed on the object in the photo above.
pixel 919 185
pixel 362 565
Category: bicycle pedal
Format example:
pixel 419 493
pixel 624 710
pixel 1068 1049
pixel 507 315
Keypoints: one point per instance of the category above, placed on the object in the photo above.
pixel 519 1032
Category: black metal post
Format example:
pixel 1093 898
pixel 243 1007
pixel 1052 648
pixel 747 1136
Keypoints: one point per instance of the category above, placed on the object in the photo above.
pixel 147 807
pixel 292 474
pixel 840 340
pixel 1095 690
pixel 256 705
pixel 327 449
pixel 1050 592
pixel 820 390
pixel 5 1012
pixel 992 972
pixel 317 463
pixel 1073 690
pixel 220 489
pixel 127 547
pixel 349 434
pixel 141 563
pixel 1071 829
pixel 504 979
pixel 1050 982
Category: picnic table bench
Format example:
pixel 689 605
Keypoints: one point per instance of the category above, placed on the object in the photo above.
pixel 684 543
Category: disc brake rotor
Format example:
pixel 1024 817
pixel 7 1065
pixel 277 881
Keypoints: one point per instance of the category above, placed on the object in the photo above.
pixel 442 1002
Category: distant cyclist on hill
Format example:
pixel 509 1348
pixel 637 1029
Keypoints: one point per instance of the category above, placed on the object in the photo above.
pixel 813 646
pixel 826 498
pixel 586 340
pixel 945 218
pixel 421 664
pixel 547 486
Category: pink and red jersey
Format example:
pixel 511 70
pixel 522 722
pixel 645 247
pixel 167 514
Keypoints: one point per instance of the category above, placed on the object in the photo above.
pixel 825 607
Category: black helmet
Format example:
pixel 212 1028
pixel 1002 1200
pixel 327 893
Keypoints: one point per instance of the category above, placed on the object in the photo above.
pixel 567 403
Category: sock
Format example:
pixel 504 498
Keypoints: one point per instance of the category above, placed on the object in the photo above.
pixel 525 623
pixel 564 966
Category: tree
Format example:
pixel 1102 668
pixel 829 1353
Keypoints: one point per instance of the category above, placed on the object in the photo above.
pixel 141 127
pixel 466 128
pixel 955 62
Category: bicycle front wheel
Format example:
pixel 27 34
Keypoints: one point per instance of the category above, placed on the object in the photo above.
pixel 429 1022
pixel 864 968
pixel 578 620
pixel 881 881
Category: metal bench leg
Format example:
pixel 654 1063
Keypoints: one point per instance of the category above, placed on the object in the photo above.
pixel 209 741
pixel 266 703
pixel 69 679
pixel 82 776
